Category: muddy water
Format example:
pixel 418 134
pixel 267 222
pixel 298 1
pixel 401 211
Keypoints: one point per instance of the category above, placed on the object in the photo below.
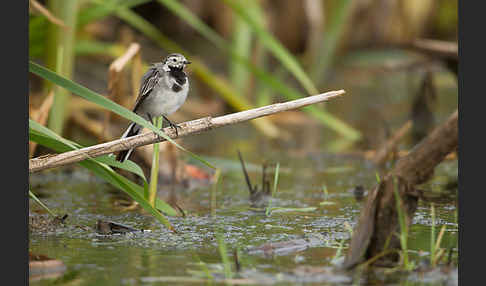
pixel 94 259
pixel 320 236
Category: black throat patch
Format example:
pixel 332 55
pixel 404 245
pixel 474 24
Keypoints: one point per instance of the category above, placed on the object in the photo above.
pixel 176 87
pixel 179 76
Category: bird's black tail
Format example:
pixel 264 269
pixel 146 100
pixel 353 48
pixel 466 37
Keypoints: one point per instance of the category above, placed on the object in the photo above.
pixel 132 130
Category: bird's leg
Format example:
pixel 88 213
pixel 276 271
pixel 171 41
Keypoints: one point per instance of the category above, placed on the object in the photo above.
pixel 150 118
pixel 175 126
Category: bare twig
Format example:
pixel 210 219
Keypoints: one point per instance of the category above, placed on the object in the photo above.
pixel 391 144
pixel 118 64
pixel 40 115
pixel 187 128
pixel 436 47
pixel 247 178
pixel 41 9
pixel 116 81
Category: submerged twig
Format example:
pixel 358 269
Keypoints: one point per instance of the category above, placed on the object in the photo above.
pixel 187 128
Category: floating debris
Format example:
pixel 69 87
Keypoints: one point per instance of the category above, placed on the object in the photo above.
pixel 109 227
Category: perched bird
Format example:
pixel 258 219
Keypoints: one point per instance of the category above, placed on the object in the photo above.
pixel 163 90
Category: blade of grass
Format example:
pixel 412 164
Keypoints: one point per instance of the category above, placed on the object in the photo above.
pixel 91 47
pixel 338 15
pixel 37 34
pixel 274 46
pixel 274 190
pixel 439 237
pixel 60 56
pixel 33 196
pixel 154 172
pixel 260 55
pixel 326 118
pixel 275 180
pixel 43 136
pixel 403 226
pixel 104 8
pixel 242 36
pixel 62 145
pixel 130 188
pixel 338 251
pixel 438 250
pixel 216 181
pixel 204 268
pixel 133 190
pixel 48 138
pixel 105 103
pixel 432 233
pixel 228 274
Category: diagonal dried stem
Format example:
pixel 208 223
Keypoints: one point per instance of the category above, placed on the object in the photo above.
pixel 187 128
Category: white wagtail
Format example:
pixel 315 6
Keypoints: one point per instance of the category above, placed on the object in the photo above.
pixel 163 90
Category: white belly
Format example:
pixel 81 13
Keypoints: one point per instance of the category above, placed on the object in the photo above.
pixel 165 102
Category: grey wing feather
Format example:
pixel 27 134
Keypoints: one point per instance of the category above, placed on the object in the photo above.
pixel 149 80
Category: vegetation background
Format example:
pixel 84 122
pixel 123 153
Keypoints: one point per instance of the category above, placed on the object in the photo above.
pixel 86 55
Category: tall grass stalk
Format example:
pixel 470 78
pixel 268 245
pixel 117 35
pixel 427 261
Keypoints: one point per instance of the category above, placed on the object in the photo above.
pixel 274 46
pixel 435 250
pixel 287 60
pixel 223 252
pixel 60 56
pixel 438 250
pixel 403 227
pixel 338 251
pixel 263 93
pixel 214 190
pixel 34 197
pixel 338 14
pixel 205 269
pixel 432 233
pixel 154 171
pixel 242 37
pixel 325 192
pixel 274 190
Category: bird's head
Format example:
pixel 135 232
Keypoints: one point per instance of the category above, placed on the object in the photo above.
pixel 176 61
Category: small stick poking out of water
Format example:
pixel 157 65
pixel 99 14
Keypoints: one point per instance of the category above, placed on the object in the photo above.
pixel 258 198
pixel 247 178
pixel 109 227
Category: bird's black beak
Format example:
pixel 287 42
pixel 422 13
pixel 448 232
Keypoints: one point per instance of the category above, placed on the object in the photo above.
pixel 187 62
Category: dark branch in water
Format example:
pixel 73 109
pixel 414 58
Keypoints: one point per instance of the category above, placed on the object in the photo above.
pixel 247 178
pixel 379 214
